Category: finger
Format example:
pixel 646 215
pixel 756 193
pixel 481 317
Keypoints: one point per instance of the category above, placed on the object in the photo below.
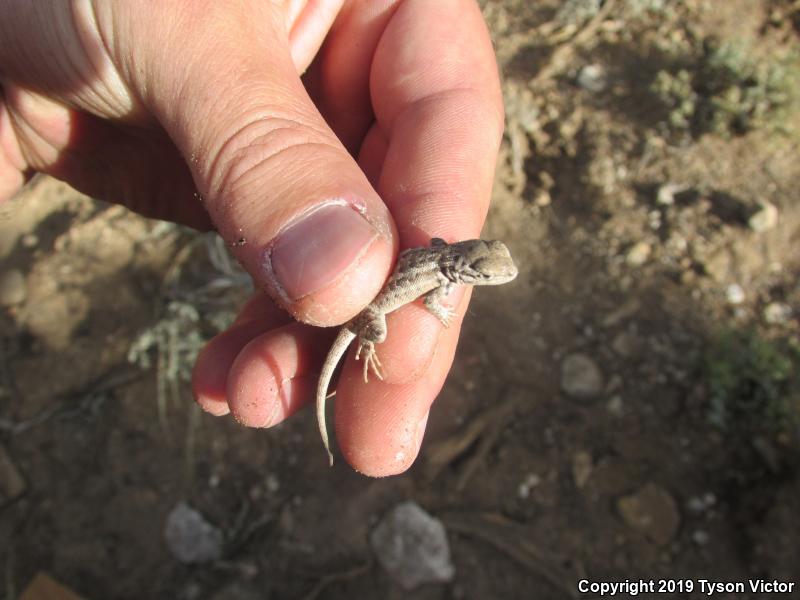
pixel 210 372
pixel 276 373
pixel 316 235
pixel 381 434
pixel 12 163
pixel 441 109
pixel 339 78
pixel 437 103
pixel 309 21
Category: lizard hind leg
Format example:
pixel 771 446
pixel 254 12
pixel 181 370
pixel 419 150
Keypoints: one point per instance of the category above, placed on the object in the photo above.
pixel 370 359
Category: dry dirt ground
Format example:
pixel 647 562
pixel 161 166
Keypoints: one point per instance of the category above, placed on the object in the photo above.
pixel 628 408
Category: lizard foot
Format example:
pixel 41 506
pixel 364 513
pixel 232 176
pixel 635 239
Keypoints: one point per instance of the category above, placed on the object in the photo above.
pixel 447 315
pixel 370 360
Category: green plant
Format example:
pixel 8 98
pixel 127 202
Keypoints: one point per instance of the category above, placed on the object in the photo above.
pixel 753 383
pixel 199 298
pixel 729 92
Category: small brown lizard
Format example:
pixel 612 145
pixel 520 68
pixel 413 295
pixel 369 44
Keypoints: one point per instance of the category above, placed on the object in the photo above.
pixel 428 271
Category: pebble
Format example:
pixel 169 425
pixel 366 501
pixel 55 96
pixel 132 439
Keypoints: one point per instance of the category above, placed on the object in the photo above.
pixel 13 289
pixel 581 377
pixel 777 313
pixel 190 537
pixel 665 196
pixel 627 344
pixel 700 537
pixel 412 547
pixel 615 405
pixel 638 254
pixel 530 482
pixel 765 218
pixel 593 78
pixel 652 511
pixel 696 505
pixel 734 294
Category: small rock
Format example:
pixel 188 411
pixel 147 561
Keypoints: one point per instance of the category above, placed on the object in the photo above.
pixel 13 289
pixel 734 294
pixel 191 538
pixel 593 78
pixel 665 196
pixel 615 406
pixel 530 482
pixel 582 466
pixel 638 254
pixel 765 218
pixel 678 245
pixel 30 240
pixel 696 505
pixel 543 198
pixel 700 537
pixel 412 547
pixel 580 376
pixel 652 511
pixel 627 344
pixel 777 313
pixel 12 484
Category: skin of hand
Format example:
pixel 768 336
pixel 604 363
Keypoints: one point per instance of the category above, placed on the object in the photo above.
pixel 328 134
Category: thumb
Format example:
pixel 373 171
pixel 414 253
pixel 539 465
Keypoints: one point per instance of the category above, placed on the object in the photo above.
pixel 295 207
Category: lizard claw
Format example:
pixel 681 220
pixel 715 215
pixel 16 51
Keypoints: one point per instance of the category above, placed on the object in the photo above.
pixel 370 360
pixel 447 316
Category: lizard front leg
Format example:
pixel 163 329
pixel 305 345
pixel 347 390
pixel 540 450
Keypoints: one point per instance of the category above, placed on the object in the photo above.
pixel 371 330
pixel 433 301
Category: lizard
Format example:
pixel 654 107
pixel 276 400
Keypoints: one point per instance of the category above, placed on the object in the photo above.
pixel 429 271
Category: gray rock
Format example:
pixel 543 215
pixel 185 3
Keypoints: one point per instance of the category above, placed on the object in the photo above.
pixel 652 511
pixel 696 505
pixel 700 537
pixel 777 313
pixel 593 78
pixel 190 538
pixel 764 218
pixel 734 294
pixel 581 377
pixel 615 405
pixel 412 547
pixel 13 289
pixel 530 482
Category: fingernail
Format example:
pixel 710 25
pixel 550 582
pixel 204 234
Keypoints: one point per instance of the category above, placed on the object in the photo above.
pixel 311 253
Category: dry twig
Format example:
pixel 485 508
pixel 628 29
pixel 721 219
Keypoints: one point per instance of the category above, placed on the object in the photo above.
pixel 512 539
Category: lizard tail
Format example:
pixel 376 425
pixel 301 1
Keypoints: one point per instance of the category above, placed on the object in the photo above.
pixel 335 354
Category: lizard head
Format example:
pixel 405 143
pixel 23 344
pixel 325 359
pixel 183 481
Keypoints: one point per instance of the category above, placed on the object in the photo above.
pixel 481 262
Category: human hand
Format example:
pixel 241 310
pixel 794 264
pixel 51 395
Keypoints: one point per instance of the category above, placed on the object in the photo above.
pixel 389 139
